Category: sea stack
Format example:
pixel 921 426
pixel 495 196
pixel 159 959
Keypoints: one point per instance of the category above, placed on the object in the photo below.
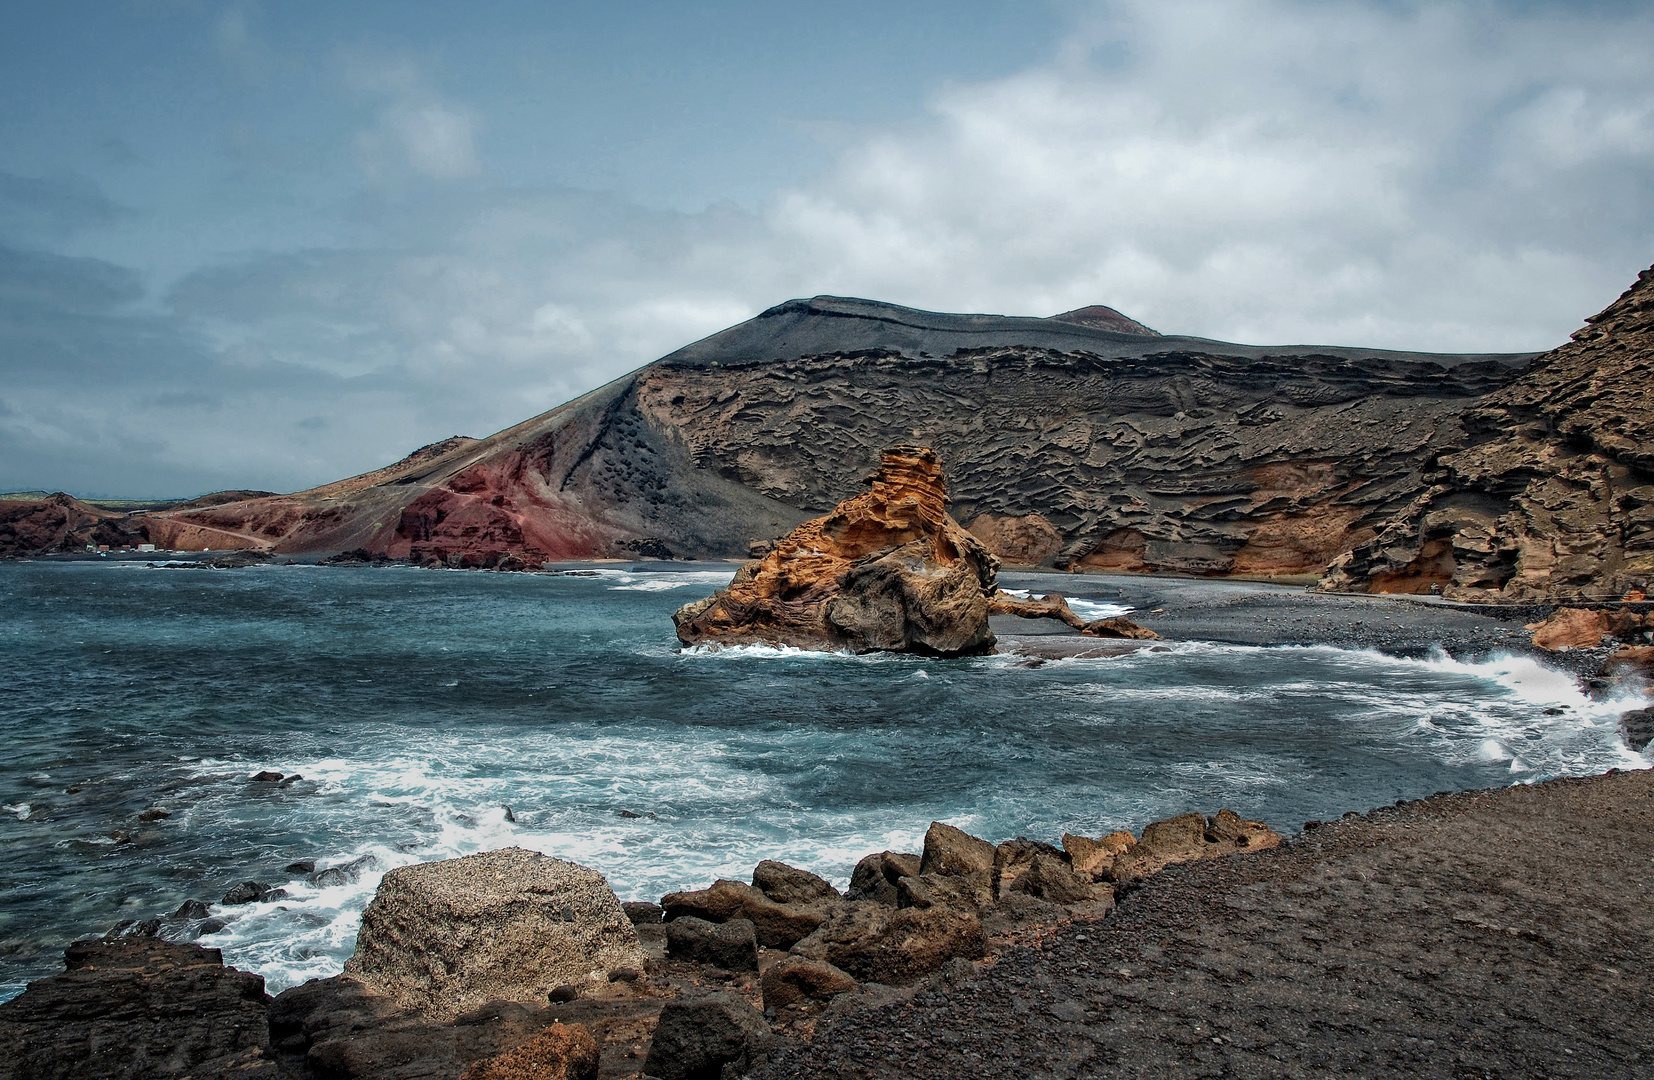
pixel 886 571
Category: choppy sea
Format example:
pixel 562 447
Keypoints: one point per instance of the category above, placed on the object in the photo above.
pixel 417 706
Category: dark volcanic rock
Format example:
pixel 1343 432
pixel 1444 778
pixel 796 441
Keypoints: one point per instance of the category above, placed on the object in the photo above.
pixel 779 925
pixel 1637 728
pixel 137 1008
pixel 731 945
pixel 700 1038
pixel 798 978
pixel 875 943
pixel 888 570
pixel 789 885
pixel 1548 489
pixel 1068 443
pixel 642 912
pixel 953 851
pixel 876 876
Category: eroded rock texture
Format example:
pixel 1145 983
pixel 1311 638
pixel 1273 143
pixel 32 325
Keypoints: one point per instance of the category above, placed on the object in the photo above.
pixel 888 570
pixel 1082 441
pixel 1550 490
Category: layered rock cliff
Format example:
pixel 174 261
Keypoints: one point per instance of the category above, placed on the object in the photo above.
pixel 1084 441
pixel 1547 488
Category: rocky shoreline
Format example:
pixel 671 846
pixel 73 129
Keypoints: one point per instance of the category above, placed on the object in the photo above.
pixel 1435 937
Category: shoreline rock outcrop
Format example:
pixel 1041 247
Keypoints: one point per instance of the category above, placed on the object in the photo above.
pixel 441 938
pixel 886 571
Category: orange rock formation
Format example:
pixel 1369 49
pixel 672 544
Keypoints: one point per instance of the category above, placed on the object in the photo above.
pixel 888 570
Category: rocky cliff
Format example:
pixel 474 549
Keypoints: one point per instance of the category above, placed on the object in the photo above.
pixel 1083 441
pixel 1546 488
pixel 887 570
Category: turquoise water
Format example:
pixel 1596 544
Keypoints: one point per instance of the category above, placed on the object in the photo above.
pixel 418 705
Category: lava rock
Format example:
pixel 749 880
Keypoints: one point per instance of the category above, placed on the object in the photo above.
pixel 247 892
pixel 953 851
pixel 511 925
pixel 300 866
pixel 798 978
pixel 137 1008
pixel 642 912
pixel 731 945
pixel 778 925
pixel 560 1052
pixel 789 885
pixel 266 777
pixel 1095 857
pixel 1050 878
pixel 1637 728
pixel 888 570
pixel 875 943
pixel 707 1038
pixel 966 891
pixel 192 909
pixel 876 876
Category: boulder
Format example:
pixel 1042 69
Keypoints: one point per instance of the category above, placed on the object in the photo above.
pixel 876 876
pixel 1119 627
pixel 798 978
pixel 779 925
pixel 560 1052
pixel 968 892
pixel 707 1038
pixel 1631 662
pixel 1572 628
pixel 1012 857
pixel 1094 857
pixel 1637 728
pixel 953 851
pixel 887 571
pixel 252 892
pixel 137 1007
pixel 1047 877
pixel 789 885
pixel 345 873
pixel 510 925
pixel 875 943
pixel 731 945
pixel 642 912
pixel 1188 837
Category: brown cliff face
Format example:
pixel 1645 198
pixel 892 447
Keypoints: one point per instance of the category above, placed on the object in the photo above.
pixel 888 570
pixel 1549 493
pixel 62 523
pixel 1067 444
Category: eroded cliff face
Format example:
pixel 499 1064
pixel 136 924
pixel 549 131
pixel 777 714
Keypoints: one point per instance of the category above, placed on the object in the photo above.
pixel 1177 461
pixel 1548 492
pixel 887 570
pixel 1086 441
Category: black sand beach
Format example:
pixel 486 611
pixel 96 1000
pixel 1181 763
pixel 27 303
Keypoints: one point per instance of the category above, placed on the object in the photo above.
pixel 1485 934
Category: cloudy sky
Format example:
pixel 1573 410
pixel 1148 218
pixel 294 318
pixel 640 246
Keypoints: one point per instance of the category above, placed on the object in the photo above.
pixel 267 245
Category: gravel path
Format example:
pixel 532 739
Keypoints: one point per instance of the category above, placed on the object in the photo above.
pixel 1486 934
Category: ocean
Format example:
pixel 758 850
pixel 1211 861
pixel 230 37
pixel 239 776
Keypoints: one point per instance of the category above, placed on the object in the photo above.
pixel 431 714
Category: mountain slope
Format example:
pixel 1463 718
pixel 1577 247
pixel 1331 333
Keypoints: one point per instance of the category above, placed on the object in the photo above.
pixel 1551 492
pixel 1064 443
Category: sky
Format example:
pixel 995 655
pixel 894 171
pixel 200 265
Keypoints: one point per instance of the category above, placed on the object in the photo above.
pixel 269 245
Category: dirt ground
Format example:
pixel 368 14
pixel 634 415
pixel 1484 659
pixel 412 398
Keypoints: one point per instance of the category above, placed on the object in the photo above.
pixel 1485 934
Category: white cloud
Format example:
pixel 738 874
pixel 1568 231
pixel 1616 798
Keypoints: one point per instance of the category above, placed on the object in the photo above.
pixel 1447 176
pixel 1453 176
pixel 416 128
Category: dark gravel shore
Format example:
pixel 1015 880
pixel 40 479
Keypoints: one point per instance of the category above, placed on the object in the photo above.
pixel 1252 613
pixel 1504 933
